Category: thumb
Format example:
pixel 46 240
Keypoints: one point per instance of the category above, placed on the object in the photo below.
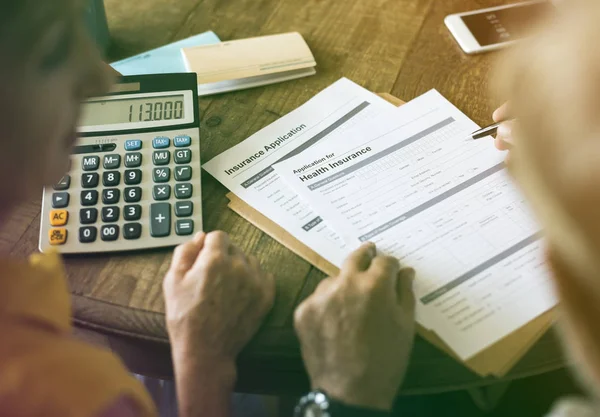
pixel 185 255
pixel 360 259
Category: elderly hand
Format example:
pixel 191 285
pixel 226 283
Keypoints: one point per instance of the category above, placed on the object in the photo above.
pixel 356 330
pixel 216 299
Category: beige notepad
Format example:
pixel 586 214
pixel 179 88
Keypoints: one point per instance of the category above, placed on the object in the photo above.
pixel 497 360
pixel 245 63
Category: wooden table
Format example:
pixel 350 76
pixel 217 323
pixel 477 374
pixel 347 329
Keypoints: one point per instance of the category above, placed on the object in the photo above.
pixel 396 46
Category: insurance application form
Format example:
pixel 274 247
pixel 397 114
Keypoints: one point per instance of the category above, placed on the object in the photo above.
pixel 414 184
pixel 247 168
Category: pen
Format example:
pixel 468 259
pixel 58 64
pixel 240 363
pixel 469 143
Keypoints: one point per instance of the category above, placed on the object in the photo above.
pixel 486 131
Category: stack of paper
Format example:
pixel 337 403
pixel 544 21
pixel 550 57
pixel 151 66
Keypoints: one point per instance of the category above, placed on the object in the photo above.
pixel 163 60
pixel 348 167
pixel 245 63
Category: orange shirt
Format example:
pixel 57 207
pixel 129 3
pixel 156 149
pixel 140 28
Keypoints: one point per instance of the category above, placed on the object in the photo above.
pixel 43 370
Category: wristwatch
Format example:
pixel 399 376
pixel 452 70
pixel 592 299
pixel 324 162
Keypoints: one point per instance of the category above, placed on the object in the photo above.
pixel 319 404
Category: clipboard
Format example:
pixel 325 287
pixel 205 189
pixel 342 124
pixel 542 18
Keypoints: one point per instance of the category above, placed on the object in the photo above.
pixel 497 360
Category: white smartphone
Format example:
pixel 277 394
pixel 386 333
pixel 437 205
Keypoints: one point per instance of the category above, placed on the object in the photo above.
pixel 497 27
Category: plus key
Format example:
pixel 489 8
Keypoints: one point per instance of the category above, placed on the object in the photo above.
pixel 160 219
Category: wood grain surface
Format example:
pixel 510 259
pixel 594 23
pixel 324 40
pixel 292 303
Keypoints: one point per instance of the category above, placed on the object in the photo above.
pixel 397 46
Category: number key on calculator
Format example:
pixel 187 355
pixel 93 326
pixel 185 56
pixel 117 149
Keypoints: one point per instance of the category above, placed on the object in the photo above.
pixel 134 181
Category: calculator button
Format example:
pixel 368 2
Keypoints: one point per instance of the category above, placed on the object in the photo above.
pixel 87 234
pixel 110 214
pixel 161 157
pixel 184 227
pixel 161 142
pixel 111 196
pixel 161 192
pixel 132 194
pixel 63 184
pixel 60 200
pixel 112 161
pixel 160 219
pixel 57 236
pixel 162 174
pixel 111 178
pixel 183 156
pixel 109 232
pixel 133 160
pixel 132 212
pixel 184 208
pixel 133 145
pixel 88 216
pixel 183 173
pixel 133 176
pixel 89 198
pixel 90 180
pixel 132 231
pixel 59 217
pixel 90 163
pixel 183 191
pixel 182 141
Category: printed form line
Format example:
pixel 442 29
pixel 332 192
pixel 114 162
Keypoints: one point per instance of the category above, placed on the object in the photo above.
pixel 430 203
pixel 310 142
pixel 434 295
pixel 312 224
pixel 381 154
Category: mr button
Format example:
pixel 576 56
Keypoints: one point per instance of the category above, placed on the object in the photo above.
pixel 59 217
pixel 57 236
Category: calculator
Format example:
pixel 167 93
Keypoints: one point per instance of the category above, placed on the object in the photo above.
pixel 134 181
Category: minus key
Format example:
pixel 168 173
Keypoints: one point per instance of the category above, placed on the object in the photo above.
pixel 184 208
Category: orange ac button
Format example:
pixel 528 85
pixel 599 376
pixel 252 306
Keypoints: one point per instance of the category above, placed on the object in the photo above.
pixel 59 217
pixel 57 236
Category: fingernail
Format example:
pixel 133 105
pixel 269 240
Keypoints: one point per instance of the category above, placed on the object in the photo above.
pixel 372 249
pixel 495 115
pixel 505 131
pixel 410 273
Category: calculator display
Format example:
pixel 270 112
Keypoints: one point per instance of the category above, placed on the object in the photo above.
pixel 138 110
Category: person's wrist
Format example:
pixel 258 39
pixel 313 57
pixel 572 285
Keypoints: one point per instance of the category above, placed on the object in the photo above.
pixel 217 368
pixel 204 381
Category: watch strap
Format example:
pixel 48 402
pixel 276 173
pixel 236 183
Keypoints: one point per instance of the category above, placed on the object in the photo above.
pixel 330 407
pixel 338 409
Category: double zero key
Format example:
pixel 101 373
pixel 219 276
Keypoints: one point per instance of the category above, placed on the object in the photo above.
pixel 108 233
